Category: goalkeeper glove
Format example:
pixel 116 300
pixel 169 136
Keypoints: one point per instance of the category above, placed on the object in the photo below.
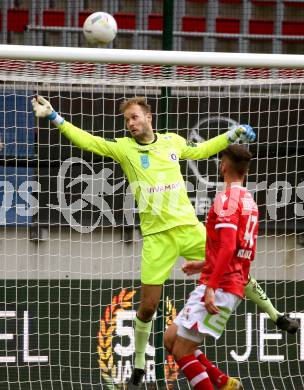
pixel 244 132
pixel 43 109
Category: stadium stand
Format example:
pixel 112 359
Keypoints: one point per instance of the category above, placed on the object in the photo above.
pixel 210 23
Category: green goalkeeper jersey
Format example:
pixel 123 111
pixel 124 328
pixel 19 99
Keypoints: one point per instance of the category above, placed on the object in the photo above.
pixel 153 172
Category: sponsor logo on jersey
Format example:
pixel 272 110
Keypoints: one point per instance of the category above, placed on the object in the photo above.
pixel 164 187
pixel 145 162
pixel 173 157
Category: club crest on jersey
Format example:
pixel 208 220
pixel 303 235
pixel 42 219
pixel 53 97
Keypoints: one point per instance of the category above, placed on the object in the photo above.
pixel 145 162
pixel 173 157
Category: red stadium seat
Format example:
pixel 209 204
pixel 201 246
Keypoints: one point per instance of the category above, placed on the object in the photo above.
pixel 197 1
pixel 230 73
pixel 82 68
pixel 125 20
pixel 151 70
pixel 53 17
pixel 118 69
pixel 231 1
pixel 261 27
pixel 12 65
pixel 17 19
pixel 228 25
pixel 294 3
pixel 193 24
pixel 293 28
pixel 291 73
pixel 82 16
pixel 188 71
pixel 263 3
pixel 253 73
pixel 47 67
pixel 155 22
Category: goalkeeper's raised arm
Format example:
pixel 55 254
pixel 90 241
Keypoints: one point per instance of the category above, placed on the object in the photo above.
pixel 196 151
pixel 139 125
pixel 84 140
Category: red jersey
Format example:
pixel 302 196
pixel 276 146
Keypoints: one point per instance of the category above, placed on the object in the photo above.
pixel 232 228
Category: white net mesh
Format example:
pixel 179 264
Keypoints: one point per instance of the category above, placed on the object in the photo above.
pixel 130 74
pixel 70 250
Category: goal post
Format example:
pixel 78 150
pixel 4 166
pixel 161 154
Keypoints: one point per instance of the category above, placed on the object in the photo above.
pixel 150 57
pixel 71 244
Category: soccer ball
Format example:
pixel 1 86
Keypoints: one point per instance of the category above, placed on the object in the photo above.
pixel 99 28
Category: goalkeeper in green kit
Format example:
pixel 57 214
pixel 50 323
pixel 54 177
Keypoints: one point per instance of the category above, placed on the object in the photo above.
pixel 169 226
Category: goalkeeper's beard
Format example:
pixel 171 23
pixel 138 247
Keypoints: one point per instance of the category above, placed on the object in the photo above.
pixel 143 134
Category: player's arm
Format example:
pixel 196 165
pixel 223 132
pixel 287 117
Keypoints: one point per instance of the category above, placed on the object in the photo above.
pixel 226 226
pixel 193 267
pixel 227 247
pixel 227 240
pixel 195 151
pixel 84 140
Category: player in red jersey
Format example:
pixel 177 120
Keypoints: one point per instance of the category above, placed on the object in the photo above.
pixel 232 227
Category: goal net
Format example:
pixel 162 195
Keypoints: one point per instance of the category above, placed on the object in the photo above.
pixel 71 245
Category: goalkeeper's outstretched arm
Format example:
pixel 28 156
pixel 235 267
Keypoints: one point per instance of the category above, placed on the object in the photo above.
pixel 84 140
pixel 195 151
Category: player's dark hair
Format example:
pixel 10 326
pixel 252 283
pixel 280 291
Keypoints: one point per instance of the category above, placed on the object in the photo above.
pixel 239 156
pixel 139 100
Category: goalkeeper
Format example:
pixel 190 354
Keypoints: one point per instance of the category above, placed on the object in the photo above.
pixel 169 226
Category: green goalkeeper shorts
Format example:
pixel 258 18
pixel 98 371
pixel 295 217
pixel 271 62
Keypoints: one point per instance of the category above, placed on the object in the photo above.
pixel 161 250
